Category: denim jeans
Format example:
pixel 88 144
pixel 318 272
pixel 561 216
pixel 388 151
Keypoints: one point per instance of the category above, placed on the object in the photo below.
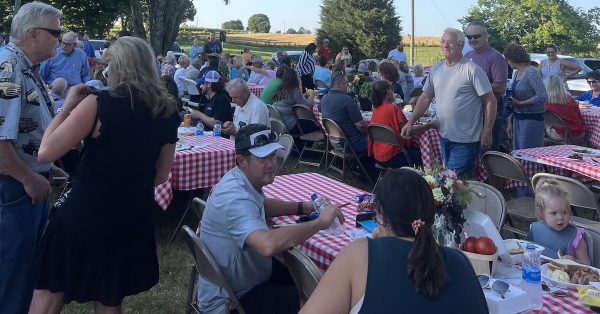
pixel 20 230
pixel 497 133
pixel 459 157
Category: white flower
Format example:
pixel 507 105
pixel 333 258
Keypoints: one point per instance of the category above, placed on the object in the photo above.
pixel 449 184
pixel 438 195
pixel 430 180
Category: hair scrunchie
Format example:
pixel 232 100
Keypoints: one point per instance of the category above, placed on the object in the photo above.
pixel 416 224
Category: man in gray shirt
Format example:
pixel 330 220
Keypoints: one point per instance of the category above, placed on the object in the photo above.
pixel 235 231
pixel 461 88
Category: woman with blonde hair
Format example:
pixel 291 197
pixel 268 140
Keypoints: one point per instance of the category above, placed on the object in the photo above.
pixel 99 242
pixel 563 105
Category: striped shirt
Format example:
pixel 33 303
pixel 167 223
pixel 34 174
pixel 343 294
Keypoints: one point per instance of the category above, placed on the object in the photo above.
pixel 306 64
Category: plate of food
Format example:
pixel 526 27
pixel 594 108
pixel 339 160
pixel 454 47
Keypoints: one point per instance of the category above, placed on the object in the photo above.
pixel 575 156
pixel 566 273
pixel 586 151
pixel 516 248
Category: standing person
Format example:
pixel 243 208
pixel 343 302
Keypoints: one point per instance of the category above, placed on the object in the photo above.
pixel 68 63
pixel 249 109
pixel 95 248
pixel 87 47
pixel 306 67
pixel 564 106
pixel 496 69
pixel 196 51
pixel 401 266
pixel 526 124
pixel 213 49
pixel 345 57
pixel 463 93
pixel 25 114
pixel 247 56
pixel 554 65
pixel 397 53
pixel 235 231
pixel 324 50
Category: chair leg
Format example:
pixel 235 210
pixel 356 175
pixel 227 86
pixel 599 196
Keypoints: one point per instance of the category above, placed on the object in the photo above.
pixel 364 170
pixel 378 178
pixel 189 303
pixel 187 209
pixel 343 168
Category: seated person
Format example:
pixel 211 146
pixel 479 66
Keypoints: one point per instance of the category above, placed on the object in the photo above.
pixel 593 95
pixel 193 70
pixel 341 108
pixel 235 231
pixel 388 113
pixel 402 264
pixel 249 109
pixel 563 105
pixel 269 90
pixel 553 231
pixel 388 71
pixel 322 73
pixel 58 92
pixel 287 95
pixel 238 70
pixel 218 103
pixel 260 74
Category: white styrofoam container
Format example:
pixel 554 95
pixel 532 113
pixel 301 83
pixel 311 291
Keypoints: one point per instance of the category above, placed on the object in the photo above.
pixel 516 300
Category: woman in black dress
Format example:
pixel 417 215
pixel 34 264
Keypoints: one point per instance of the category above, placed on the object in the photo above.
pixel 99 244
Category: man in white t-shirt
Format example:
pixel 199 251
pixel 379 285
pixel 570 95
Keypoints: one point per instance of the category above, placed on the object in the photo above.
pixel 462 92
pixel 249 108
pixel 398 53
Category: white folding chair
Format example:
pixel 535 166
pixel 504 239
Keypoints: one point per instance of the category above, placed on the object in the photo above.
pixel 192 90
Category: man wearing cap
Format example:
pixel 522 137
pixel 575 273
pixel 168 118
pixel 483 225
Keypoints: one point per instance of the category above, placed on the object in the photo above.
pixel 218 103
pixel 235 231
pixel 398 52
pixel 249 110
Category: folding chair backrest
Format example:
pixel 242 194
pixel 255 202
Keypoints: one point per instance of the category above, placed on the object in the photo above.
pixel 592 237
pixel 207 266
pixel 198 205
pixel 578 194
pixel 320 84
pixel 304 272
pixel 273 113
pixel 552 119
pixel 278 127
pixel 190 86
pixel 384 134
pixel 489 201
pixel 333 130
pixel 304 113
pixel 287 141
pixel 505 166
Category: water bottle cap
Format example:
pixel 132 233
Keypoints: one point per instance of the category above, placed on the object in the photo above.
pixel 531 246
pixel 314 196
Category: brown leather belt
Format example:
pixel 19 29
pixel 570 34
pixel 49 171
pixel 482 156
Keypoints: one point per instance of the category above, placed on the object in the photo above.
pixel 5 177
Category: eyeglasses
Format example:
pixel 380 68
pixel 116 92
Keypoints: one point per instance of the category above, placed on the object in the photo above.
pixel 68 44
pixel 498 286
pixel 476 36
pixel 592 81
pixel 54 32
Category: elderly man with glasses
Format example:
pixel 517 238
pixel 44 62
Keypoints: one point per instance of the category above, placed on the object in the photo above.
pixel 235 231
pixel 69 63
pixel 24 181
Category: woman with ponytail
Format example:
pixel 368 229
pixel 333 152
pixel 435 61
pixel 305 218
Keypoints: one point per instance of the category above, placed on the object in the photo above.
pixel 401 269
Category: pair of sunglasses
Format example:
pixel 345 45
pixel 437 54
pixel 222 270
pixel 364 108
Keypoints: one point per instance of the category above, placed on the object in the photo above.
pixel 498 286
pixel 476 36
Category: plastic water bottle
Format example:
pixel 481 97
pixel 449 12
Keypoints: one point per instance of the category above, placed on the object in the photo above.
pixel 217 129
pixel 336 227
pixel 199 129
pixel 532 276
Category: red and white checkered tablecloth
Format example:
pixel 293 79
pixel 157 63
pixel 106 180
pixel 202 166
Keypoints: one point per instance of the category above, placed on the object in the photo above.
pixel 554 157
pixel 200 167
pixel 431 153
pixel 256 89
pixel 323 247
pixel 591 120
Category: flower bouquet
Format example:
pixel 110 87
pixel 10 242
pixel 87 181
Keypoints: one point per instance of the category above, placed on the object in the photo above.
pixel 451 197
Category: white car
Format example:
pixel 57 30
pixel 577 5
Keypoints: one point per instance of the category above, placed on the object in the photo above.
pixel 577 84
pixel 98 45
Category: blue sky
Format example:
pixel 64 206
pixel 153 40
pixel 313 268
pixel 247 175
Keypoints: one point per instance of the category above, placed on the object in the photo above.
pixel 431 16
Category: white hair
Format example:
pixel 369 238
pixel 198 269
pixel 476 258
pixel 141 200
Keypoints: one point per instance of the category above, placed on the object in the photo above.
pixel 183 60
pixel 170 57
pixel 237 84
pixel 31 15
pixel 59 86
pixel 71 36
pixel 460 36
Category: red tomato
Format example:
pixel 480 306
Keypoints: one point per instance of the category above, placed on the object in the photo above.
pixel 485 246
pixel 469 245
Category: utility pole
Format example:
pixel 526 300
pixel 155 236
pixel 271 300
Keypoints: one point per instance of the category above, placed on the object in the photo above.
pixel 412 32
pixel 17 6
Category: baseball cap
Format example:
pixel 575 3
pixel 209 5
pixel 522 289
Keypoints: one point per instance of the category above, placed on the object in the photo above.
pixel 210 77
pixel 260 143
pixel 362 67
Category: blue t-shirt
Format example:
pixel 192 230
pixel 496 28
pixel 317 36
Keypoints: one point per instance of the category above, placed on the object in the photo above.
pixel 342 109
pixel 587 96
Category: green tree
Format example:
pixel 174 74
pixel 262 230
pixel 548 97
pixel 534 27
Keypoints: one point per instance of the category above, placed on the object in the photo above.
pixel 370 28
pixel 233 24
pixel 291 31
pixel 259 23
pixel 535 23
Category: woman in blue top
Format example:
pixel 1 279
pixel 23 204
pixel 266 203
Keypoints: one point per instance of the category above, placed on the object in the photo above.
pixel 593 95
pixel 401 269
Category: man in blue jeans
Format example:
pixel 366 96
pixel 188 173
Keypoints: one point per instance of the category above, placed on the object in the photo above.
pixel 462 92
pixel 24 115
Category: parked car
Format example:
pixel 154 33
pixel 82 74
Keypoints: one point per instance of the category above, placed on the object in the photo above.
pixel 593 63
pixel 293 54
pixel 577 84
pixel 98 45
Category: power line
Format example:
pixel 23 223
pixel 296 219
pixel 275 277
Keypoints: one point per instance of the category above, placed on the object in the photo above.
pixel 440 12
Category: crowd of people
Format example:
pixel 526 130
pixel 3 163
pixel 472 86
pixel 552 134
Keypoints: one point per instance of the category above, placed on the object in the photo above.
pixel 87 247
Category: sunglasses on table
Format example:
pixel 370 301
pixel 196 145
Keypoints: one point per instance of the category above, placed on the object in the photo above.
pixel 54 32
pixel 476 36
pixel 592 81
pixel 498 286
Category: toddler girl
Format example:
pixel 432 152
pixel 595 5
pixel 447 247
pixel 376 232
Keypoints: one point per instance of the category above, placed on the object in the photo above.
pixel 553 231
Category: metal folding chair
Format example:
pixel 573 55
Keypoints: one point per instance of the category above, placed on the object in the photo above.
pixel 304 272
pixel 489 201
pixel 553 120
pixel 579 195
pixel 304 113
pixel 384 134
